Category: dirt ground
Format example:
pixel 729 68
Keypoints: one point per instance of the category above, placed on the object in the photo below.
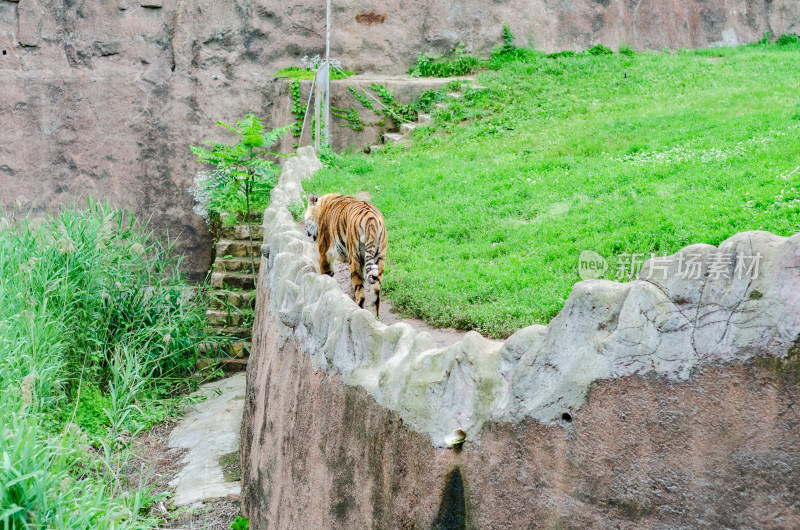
pixel 156 465
pixel 442 336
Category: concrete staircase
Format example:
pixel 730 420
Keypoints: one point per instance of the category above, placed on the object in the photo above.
pixel 404 136
pixel 232 297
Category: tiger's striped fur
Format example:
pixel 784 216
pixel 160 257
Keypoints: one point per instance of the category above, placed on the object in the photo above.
pixel 353 231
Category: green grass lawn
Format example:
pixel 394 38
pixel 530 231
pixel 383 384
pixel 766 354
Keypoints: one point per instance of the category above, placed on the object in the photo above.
pixel 490 208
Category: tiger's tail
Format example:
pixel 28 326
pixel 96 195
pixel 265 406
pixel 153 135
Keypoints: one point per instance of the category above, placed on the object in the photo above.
pixel 373 251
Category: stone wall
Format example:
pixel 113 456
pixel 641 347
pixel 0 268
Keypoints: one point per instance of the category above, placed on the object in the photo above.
pixel 102 97
pixel 666 401
pixel 376 35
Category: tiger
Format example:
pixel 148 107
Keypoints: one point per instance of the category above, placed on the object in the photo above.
pixel 353 231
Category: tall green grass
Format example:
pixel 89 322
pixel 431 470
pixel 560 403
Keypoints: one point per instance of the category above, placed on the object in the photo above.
pixel 97 332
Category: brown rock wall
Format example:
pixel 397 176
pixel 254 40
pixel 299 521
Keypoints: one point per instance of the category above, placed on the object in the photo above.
pixel 103 96
pixel 376 36
pixel 720 450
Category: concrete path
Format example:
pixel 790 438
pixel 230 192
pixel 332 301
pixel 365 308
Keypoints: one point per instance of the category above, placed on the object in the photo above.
pixel 210 433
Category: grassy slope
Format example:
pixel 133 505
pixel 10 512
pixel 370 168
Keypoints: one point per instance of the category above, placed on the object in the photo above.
pixel 487 216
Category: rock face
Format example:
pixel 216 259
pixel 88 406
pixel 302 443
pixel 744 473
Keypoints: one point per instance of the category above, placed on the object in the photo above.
pixel 374 35
pixel 103 97
pixel 648 402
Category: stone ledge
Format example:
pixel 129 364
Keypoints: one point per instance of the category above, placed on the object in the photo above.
pixel 666 327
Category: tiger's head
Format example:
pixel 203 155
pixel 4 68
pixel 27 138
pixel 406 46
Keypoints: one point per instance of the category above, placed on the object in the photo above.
pixel 311 215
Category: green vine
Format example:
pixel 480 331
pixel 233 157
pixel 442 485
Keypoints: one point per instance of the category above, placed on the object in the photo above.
pixel 354 121
pixel 362 98
pixel 298 109
pixel 398 111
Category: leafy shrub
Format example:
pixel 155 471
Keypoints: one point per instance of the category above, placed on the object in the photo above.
pixel 788 39
pixel 297 208
pixel 565 53
pixel 241 523
pixel 243 174
pixel 89 414
pixel 599 49
pixel 625 49
pixel 508 38
pixel 428 99
pixel 461 64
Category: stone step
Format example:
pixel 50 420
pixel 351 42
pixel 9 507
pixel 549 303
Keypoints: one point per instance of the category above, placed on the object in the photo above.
pixel 233 332
pixel 227 218
pixel 222 318
pixel 236 349
pixel 454 95
pixel 407 128
pixel 393 137
pixel 424 119
pixel 233 280
pixel 228 365
pixel 240 299
pixel 242 232
pixel 237 264
pixel 441 105
pixel 375 148
pixel 238 249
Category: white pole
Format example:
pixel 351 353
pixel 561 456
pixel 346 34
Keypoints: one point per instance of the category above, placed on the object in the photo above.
pixel 317 92
pixel 326 112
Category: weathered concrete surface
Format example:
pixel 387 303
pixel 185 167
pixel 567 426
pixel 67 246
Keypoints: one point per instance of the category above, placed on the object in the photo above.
pixel 103 98
pixel 210 433
pixel 665 401
pixel 720 450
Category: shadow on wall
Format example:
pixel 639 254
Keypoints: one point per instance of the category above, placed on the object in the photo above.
pixel 452 513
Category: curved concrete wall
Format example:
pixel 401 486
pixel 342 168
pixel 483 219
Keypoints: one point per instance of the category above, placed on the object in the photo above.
pixel 621 380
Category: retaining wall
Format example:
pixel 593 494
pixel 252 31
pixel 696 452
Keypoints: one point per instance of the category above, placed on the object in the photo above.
pixel 669 400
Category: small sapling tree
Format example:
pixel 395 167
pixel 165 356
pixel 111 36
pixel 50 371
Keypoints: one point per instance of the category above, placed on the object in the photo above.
pixel 240 170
